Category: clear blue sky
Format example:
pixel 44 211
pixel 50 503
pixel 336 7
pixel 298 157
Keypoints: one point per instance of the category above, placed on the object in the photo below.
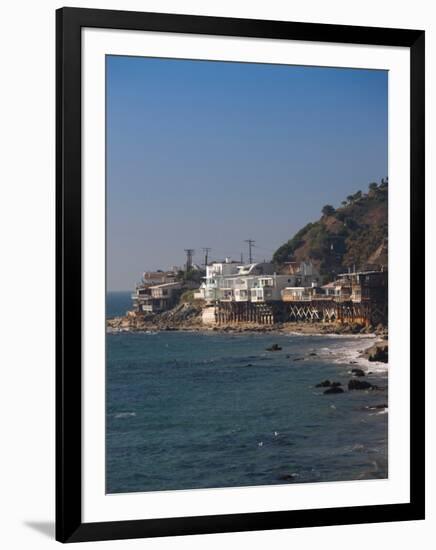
pixel 207 154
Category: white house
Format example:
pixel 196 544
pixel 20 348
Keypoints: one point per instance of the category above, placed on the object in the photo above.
pixel 229 281
pixel 256 282
pixel 216 272
pixel 268 288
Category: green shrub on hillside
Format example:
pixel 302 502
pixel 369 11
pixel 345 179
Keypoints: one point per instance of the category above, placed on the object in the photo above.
pixel 344 237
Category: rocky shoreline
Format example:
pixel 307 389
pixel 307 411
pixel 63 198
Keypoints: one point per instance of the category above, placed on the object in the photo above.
pixel 187 317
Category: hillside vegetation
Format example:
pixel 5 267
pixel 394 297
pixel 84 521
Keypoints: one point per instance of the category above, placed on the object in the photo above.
pixel 353 235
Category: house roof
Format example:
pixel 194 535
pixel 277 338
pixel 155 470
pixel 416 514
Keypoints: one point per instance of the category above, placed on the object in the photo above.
pixel 165 285
pixel 157 274
pixel 333 284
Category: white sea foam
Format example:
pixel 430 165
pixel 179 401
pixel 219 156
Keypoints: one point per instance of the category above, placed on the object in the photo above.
pixel 125 414
pixel 351 354
pixel 382 411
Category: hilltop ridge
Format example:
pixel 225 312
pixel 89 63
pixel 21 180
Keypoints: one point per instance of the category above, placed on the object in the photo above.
pixel 352 235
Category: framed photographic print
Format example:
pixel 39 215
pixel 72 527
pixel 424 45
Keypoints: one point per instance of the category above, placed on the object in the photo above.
pixel 240 303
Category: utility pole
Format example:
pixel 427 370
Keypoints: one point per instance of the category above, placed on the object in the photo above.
pixel 250 246
pixel 242 258
pixel 206 255
pixel 189 254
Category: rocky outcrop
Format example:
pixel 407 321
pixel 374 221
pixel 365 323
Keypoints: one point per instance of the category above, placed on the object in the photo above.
pixel 324 384
pixel 274 347
pixel 379 354
pixel 360 385
pixel 183 316
pixel 357 372
pixel 333 389
pixel 287 477
pixel 328 384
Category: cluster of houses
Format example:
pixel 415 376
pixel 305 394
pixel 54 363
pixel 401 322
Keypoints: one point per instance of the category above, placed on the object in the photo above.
pixel 258 282
pixel 229 282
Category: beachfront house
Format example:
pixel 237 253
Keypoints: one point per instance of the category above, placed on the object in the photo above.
pixel 216 273
pixel 297 294
pixel 142 294
pixel 160 297
pixel 230 281
pixel 255 282
pixel 365 286
pixel 156 298
pixel 269 288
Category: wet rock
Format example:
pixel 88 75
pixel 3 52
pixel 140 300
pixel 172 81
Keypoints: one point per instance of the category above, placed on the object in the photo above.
pixel 357 372
pixel 312 354
pixel 328 384
pixel 324 384
pixel 274 347
pixel 360 385
pixel 298 359
pixel 287 477
pixel 333 389
pixel 380 354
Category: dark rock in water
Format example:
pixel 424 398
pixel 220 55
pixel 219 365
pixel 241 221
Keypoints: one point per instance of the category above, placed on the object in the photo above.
pixel 298 359
pixel 333 389
pixel 353 362
pixel 324 384
pixel 358 372
pixel 274 347
pixel 380 354
pixel 328 384
pixel 312 354
pixel 360 385
pixel 287 477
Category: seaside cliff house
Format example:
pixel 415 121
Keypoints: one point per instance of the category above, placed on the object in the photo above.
pixel 152 294
pixel 214 281
pixel 354 286
pixel 157 298
pixel 331 291
pixel 256 282
pixel 356 296
pixel 365 286
pixel 256 293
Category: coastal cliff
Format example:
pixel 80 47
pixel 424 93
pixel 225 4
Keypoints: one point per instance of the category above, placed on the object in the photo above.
pixel 356 233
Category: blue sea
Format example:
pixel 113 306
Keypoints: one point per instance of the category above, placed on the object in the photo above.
pixel 118 303
pixel 201 410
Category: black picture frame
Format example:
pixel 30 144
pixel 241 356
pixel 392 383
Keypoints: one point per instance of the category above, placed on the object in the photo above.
pixel 69 525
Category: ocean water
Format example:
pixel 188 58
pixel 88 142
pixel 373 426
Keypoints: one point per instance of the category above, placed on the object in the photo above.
pixel 118 303
pixel 201 410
